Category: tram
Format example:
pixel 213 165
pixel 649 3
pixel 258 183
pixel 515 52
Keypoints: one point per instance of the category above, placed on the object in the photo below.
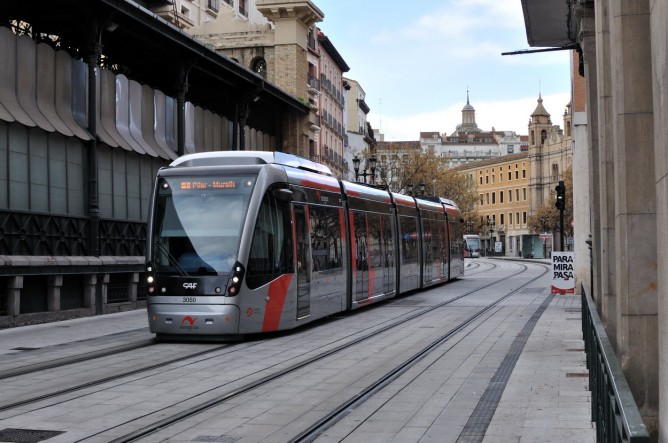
pixel 244 242
pixel 471 246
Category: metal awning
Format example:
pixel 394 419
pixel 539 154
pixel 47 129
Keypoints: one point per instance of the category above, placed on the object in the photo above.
pixel 549 23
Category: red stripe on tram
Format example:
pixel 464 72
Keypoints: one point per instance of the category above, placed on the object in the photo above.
pixel 278 291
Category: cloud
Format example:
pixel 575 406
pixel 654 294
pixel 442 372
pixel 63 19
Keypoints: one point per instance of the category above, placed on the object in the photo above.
pixel 507 115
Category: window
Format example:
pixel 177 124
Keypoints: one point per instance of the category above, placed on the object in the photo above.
pixel 243 8
pixel 510 175
pixel 271 249
pixel 481 200
pixel 517 217
pixel 555 172
pixel 481 179
pixel 487 179
pixel 493 198
pixel 517 194
pixel 517 175
pixel 511 149
pixel 494 179
pixel 524 217
pixel 326 246
pixel 501 219
pixel 409 244
pixel 487 198
pixel 213 5
pixel 501 197
pixel 500 176
pixel 510 195
pixel 524 173
pixel 510 218
pixel 524 194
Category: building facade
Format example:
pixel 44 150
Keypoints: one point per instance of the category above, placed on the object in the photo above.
pixel 187 14
pixel 83 131
pixel 333 130
pixel 622 138
pixel 550 153
pixel 469 143
pixel 357 129
pixel 504 204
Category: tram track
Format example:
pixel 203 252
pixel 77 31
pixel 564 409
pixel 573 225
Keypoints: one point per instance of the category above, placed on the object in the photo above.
pixel 345 408
pixel 69 360
pixel 103 380
pixel 248 387
pixel 133 346
pixel 337 413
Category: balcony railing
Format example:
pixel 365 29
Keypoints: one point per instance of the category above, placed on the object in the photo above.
pixel 313 82
pixel 612 406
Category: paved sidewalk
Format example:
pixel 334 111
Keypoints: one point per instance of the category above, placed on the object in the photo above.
pixel 68 331
pixel 545 400
pixel 547 397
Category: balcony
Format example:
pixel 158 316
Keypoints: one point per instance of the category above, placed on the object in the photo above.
pixel 313 82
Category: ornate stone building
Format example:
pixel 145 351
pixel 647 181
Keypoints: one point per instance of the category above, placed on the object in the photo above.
pixel 469 143
pixel 550 153
pixel 622 138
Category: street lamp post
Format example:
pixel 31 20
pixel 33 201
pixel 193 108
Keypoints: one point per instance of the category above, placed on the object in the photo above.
pixel 409 188
pixel 371 163
pixel 422 188
pixel 490 227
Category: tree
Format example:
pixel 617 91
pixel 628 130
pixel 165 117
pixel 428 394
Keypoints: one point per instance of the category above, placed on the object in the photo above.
pixel 404 163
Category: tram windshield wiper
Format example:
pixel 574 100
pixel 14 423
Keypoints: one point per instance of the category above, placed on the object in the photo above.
pixel 171 258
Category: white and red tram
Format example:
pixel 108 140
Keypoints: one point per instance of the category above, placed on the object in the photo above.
pixel 243 242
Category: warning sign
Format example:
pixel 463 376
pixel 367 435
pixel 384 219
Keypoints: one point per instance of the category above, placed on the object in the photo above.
pixel 563 273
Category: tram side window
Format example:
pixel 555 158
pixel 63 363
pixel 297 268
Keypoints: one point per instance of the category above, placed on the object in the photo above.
pixel 360 240
pixel 409 238
pixel 326 243
pixel 271 249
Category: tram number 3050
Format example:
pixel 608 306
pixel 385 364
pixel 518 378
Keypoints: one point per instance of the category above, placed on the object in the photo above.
pixel 189 299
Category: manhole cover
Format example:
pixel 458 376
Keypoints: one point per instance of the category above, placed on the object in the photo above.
pixel 12 435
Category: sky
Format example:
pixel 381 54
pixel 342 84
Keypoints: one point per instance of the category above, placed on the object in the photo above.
pixel 416 59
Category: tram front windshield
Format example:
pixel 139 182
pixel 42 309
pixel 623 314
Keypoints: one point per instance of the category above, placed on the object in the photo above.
pixel 198 223
pixel 472 244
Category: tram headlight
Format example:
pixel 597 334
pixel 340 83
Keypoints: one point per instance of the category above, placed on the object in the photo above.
pixel 150 279
pixel 235 279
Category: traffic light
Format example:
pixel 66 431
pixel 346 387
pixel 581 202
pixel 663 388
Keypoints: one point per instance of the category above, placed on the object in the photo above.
pixel 561 196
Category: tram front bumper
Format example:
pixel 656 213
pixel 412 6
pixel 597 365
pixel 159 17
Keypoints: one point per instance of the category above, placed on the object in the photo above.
pixel 193 320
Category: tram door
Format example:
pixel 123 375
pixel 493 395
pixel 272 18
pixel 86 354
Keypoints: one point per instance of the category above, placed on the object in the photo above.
pixel 303 262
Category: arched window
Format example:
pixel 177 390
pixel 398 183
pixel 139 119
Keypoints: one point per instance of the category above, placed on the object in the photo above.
pixel 259 66
pixel 543 136
pixel 533 138
pixel 555 172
